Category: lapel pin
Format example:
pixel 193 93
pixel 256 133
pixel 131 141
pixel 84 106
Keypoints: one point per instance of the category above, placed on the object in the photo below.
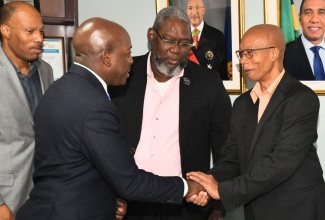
pixel 186 81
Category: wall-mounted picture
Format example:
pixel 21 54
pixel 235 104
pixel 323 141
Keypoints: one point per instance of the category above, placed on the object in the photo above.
pixel 53 53
pixel 300 60
pixel 217 38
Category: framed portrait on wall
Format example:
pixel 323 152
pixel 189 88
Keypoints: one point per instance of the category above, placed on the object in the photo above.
pixel 53 53
pixel 272 13
pixel 217 15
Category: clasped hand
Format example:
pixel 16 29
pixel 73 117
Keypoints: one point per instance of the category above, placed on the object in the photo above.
pixel 201 187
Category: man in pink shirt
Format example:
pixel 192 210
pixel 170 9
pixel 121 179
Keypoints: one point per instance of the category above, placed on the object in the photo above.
pixel 174 113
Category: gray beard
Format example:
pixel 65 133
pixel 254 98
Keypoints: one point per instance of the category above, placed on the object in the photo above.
pixel 163 69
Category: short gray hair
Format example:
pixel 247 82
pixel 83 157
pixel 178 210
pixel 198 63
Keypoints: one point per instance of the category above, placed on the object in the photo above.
pixel 171 12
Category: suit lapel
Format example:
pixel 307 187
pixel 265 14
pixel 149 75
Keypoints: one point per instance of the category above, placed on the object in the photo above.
pixel 8 73
pixel 251 123
pixel 44 78
pixel 276 100
pixel 185 89
pixel 138 85
pixel 300 55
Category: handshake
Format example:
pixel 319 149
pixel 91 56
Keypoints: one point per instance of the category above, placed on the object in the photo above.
pixel 201 187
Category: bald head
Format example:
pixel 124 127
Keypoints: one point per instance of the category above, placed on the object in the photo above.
pixel 104 47
pixel 95 35
pixel 266 35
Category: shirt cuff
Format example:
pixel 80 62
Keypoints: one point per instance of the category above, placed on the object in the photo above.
pixel 185 187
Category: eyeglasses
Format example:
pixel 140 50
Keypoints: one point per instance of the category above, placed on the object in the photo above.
pixel 249 52
pixel 183 47
pixel 190 8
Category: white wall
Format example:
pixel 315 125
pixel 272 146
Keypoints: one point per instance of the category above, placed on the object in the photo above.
pixel 135 16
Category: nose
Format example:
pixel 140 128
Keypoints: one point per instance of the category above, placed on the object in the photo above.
pixel 243 59
pixel 38 36
pixel 131 60
pixel 314 18
pixel 175 48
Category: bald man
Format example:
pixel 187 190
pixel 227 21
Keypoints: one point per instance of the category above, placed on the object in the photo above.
pixel 269 163
pixel 81 160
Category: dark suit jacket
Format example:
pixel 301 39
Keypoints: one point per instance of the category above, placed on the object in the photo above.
pixel 81 160
pixel 296 61
pixel 212 39
pixel 204 113
pixel 273 165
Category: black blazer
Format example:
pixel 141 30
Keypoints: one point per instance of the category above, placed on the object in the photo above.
pixel 82 163
pixel 296 61
pixel 212 40
pixel 204 112
pixel 273 165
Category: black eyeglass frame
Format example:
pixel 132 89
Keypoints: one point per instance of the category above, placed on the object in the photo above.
pixel 249 55
pixel 173 43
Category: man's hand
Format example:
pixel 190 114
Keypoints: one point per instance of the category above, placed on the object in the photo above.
pixel 201 199
pixel 121 207
pixel 196 194
pixel 207 181
pixel 193 188
pixel 5 213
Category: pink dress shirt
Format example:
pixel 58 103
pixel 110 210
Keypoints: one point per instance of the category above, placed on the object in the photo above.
pixel 158 149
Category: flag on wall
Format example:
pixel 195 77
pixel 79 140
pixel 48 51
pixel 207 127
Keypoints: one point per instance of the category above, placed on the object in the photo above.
pixel 228 38
pixel 289 20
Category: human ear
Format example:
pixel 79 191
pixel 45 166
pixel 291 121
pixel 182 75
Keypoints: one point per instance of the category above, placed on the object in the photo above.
pixel 150 34
pixel 5 30
pixel 106 58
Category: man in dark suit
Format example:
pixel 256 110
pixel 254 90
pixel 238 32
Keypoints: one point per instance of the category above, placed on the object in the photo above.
pixel 298 56
pixel 269 163
pixel 81 160
pixel 24 77
pixel 210 50
pixel 173 112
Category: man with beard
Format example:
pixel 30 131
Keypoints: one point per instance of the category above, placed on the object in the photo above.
pixel 173 112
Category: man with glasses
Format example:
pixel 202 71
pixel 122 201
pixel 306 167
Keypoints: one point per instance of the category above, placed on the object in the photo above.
pixel 269 163
pixel 209 43
pixel 174 113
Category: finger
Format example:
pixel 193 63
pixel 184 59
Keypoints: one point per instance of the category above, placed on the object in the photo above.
pixel 194 173
pixel 192 198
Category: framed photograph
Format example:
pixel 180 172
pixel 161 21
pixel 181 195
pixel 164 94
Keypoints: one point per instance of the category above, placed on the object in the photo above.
pixel 35 3
pixel 53 53
pixel 215 16
pixel 271 16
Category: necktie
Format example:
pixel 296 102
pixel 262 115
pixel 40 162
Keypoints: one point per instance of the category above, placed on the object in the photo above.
pixel 109 98
pixel 195 37
pixel 318 64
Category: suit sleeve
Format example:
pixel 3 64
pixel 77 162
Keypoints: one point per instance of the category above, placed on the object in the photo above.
pixel 288 150
pixel 104 146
